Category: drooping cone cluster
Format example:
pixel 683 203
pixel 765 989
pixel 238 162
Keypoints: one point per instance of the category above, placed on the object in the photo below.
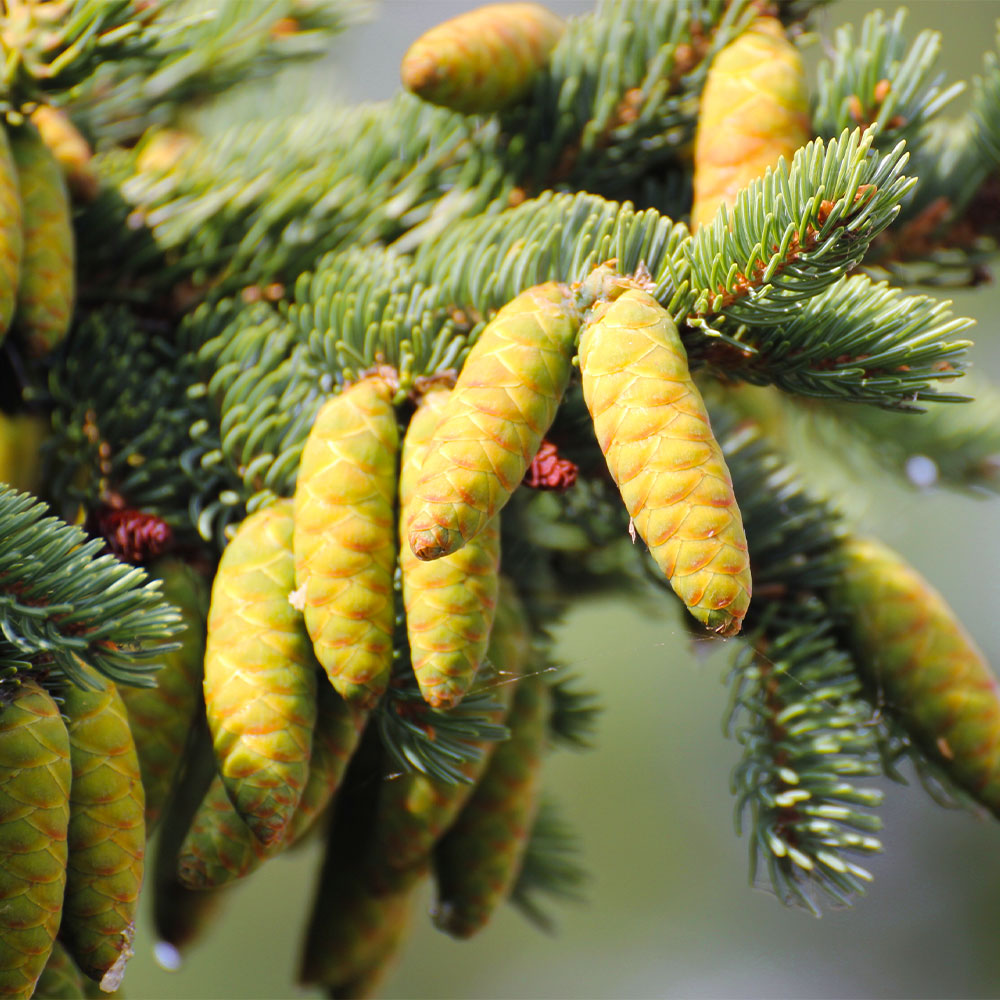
pixel 37 255
pixel 754 109
pixel 484 60
pixel 72 837
pixel 653 428
pixel 922 665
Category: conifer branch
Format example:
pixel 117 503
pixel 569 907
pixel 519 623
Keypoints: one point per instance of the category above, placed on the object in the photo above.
pixel 549 866
pixel 797 705
pixel 797 230
pixel 197 52
pixel 858 341
pixel 61 603
pixel 878 80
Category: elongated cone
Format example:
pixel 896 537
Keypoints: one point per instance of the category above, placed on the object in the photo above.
pixel 71 150
pixel 484 60
pixel 180 914
pixel 653 428
pixel 219 848
pixel 11 234
pixel 754 109
pixel 923 665
pixel 354 931
pixel 450 602
pixel 414 809
pixel 35 779
pixel 260 675
pixel 161 717
pixel 477 861
pixel 107 835
pixel 505 400
pixel 60 979
pixel 21 438
pixel 345 540
pixel 47 290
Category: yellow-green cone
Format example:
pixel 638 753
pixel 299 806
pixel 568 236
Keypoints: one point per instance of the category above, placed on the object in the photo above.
pixel 35 777
pixel 61 979
pixel 345 539
pixel 754 109
pixel 414 809
pixel 107 835
pixel 922 665
pixel 21 437
pixel 161 717
pixel 504 401
pixel 260 675
pixel 47 290
pixel 653 428
pixel 484 60
pixel 219 848
pixel 354 931
pixel 11 234
pixel 450 602
pixel 477 861
pixel 71 150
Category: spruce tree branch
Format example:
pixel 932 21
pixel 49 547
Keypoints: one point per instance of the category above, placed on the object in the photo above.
pixel 796 699
pixel 878 80
pixel 61 602
pixel 858 341
pixel 795 231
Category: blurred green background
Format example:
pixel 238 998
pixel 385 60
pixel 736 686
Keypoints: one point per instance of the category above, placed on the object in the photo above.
pixel 669 912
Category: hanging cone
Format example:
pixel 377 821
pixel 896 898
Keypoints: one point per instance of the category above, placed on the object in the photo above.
pixel 484 60
pixel 260 676
pixel 219 847
pixel 11 234
pixel 653 428
pixel 478 860
pixel 922 665
pixel 35 777
pixel 60 979
pixel 754 109
pixel 450 602
pixel 107 835
pixel 345 542
pixel 414 809
pixel 161 717
pixel 496 417
pixel 46 292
